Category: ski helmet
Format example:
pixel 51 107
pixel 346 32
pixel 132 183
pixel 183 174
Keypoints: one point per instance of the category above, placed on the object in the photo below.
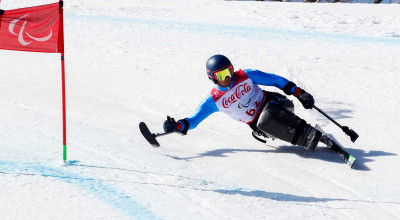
pixel 217 63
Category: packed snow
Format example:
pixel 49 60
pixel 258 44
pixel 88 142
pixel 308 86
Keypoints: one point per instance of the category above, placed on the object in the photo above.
pixel 129 61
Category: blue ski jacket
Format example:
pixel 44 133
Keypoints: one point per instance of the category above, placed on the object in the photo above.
pixel 208 105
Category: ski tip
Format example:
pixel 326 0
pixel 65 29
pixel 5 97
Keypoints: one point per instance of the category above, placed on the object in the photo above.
pixel 319 128
pixel 150 137
pixel 351 161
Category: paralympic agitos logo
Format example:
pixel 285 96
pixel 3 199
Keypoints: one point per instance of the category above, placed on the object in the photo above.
pixel 239 92
pixel 21 33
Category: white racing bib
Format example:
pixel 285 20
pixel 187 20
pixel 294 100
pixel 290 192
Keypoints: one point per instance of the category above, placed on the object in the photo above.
pixel 243 101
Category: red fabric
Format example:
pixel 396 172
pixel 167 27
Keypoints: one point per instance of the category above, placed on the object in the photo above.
pixel 179 126
pixel 297 92
pixel 35 29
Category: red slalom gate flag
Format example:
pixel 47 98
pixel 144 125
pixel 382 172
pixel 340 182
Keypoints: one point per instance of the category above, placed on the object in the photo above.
pixel 35 29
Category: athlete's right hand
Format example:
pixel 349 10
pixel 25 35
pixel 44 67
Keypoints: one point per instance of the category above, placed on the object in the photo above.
pixel 170 125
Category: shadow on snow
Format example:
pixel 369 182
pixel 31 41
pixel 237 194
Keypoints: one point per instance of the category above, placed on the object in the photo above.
pixel 321 153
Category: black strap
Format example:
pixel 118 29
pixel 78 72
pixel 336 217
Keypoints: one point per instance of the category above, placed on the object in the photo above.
pixel 254 133
pixel 61 4
pixel 288 87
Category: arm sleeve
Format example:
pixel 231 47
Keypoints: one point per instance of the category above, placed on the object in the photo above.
pixel 205 109
pixel 268 79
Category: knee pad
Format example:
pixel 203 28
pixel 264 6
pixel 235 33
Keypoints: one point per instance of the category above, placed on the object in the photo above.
pixel 284 102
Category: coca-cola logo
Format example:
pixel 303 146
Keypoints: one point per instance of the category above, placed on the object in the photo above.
pixel 240 91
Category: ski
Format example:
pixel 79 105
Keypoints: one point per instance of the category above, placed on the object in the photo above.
pixel 331 144
pixel 348 158
pixel 150 137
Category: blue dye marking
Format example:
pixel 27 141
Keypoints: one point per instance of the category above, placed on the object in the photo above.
pixel 104 192
pixel 233 31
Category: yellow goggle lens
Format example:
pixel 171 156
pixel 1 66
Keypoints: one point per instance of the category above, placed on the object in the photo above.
pixel 221 75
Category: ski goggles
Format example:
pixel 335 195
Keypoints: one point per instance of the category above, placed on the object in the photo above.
pixel 221 75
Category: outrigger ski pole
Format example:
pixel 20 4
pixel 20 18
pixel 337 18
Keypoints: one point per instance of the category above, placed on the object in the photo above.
pixel 151 137
pixel 352 134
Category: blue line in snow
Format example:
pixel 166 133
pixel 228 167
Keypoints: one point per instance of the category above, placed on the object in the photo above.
pixel 258 33
pixel 104 192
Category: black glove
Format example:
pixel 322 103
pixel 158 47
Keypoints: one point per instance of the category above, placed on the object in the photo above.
pixel 306 99
pixel 170 125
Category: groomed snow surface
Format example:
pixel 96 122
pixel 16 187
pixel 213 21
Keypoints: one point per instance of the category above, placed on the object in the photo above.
pixel 129 61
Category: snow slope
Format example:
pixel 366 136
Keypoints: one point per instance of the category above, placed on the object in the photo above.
pixel 134 60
